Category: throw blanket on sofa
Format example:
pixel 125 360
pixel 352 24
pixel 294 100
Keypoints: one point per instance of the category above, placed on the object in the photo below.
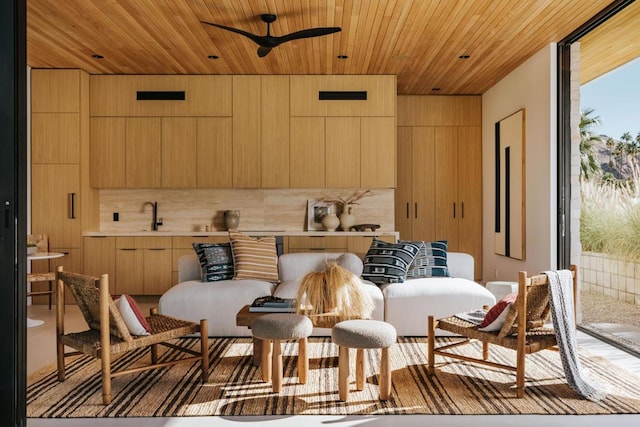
pixel 562 313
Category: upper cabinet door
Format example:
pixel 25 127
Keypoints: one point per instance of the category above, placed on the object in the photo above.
pixel 307 163
pixel 275 131
pixel 214 149
pixel 247 150
pixel 107 152
pixel 55 91
pixel 342 152
pixel 143 152
pixel 378 152
pixel 55 138
pixel 178 152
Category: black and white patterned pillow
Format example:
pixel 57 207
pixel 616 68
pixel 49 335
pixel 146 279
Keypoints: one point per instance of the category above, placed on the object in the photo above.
pixel 388 262
pixel 216 261
pixel 430 262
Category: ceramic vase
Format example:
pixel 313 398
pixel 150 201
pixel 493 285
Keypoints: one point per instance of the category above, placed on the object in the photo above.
pixel 347 219
pixel 330 221
pixel 231 219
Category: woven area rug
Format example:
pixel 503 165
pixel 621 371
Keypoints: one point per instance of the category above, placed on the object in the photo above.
pixel 235 386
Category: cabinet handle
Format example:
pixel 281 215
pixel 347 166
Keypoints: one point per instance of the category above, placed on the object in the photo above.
pixel 156 249
pixel 454 209
pixel 462 208
pixel 72 205
pixel 407 209
pixel 128 249
pixel 317 249
pixel 415 208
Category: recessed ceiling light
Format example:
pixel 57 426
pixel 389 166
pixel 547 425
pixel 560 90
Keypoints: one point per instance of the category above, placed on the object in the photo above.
pixel 342 56
pixel 213 57
pixel 464 56
pixel 97 56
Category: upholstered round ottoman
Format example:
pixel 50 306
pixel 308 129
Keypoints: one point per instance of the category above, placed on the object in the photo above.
pixel 274 328
pixel 362 334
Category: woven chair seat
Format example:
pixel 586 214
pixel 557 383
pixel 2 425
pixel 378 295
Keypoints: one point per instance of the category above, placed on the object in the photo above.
pixel 41 277
pixel 163 328
pixel 537 339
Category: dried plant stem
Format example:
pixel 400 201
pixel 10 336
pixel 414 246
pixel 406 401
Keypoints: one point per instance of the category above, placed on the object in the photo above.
pixel 333 295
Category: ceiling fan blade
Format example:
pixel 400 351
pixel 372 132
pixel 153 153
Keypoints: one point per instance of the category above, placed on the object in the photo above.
pixel 257 39
pixel 263 51
pixel 310 32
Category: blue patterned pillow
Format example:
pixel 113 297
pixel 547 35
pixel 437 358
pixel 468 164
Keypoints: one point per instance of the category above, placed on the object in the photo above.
pixel 388 262
pixel 430 262
pixel 216 261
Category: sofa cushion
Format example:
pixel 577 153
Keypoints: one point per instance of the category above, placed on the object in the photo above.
pixel 431 261
pixel 388 262
pixel 254 258
pixel 216 261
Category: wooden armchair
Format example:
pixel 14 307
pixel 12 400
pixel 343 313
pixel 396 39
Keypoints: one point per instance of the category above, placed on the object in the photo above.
pixel 42 245
pixel 523 330
pixel 108 335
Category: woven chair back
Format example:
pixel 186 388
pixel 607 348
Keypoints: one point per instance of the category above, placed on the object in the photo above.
pixel 86 291
pixel 537 307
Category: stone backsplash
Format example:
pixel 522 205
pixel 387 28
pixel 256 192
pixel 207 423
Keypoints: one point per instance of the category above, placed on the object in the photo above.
pixel 260 209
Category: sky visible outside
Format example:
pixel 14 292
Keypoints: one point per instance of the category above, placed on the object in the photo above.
pixel 615 98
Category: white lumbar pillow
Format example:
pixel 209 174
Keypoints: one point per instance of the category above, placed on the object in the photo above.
pixel 132 316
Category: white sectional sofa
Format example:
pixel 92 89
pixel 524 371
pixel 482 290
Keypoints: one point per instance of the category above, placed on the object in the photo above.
pixel 404 305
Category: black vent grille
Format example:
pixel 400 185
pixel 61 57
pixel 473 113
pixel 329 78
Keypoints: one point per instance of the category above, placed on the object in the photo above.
pixel 160 95
pixel 342 95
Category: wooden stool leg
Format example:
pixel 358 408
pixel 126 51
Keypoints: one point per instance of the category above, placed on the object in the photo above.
pixel 361 368
pixel 276 373
pixel 431 342
pixel 106 378
pixel 303 361
pixel 485 350
pixel 385 374
pixel 265 364
pixel 343 372
pixel 257 352
pixel 204 349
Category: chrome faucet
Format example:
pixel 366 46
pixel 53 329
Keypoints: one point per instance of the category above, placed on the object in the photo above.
pixel 156 222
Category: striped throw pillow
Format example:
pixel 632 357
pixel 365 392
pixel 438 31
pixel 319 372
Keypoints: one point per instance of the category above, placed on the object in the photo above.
pixel 388 262
pixel 254 258
pixel 216 261
pixel 430 262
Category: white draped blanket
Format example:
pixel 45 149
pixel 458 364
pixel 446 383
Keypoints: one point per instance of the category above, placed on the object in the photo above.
pixel 563 315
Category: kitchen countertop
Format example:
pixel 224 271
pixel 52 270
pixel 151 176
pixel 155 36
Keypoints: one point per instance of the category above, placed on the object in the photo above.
pixel 249 232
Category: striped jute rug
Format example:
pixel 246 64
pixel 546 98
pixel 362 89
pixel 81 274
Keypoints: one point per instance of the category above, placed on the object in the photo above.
pixel 235 386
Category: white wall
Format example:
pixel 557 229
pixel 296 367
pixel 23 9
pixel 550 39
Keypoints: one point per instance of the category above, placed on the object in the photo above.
pixel 531 86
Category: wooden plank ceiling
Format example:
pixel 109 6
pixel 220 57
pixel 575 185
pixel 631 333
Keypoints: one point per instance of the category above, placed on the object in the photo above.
pixel 420 41
pixel 611 45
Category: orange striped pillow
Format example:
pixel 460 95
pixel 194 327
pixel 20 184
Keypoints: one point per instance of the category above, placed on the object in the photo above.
pixel 254 258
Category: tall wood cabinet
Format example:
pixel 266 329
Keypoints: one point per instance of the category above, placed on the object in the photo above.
pixel 439 194
pixel 62 204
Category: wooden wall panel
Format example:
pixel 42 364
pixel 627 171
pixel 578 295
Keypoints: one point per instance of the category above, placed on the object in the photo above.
pixel 108 152
pixel 214 152
pixel 115 95
pixel 439 110
pixel 381 93
pixel 307 148
pixel 55 91
pixel 247 163
pixel 55 138
pixel 275 131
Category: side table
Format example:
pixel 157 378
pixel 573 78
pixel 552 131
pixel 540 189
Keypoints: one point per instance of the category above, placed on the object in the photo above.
pixel 501 289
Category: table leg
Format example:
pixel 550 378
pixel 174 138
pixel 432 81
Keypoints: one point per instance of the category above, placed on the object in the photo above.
pixel 257 351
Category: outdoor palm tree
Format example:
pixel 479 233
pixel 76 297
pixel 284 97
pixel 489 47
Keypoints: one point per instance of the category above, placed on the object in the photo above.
pixel 588 163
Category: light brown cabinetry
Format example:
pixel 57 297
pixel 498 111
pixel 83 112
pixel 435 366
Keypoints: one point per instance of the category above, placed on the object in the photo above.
pixel 342 155
pixel 143 265
pixel 359 245
pixel 178 152
pixel 143 152
pixel 214 149
pixel 317 244
pixel 307 162
pixel 247 150
pixel 55 138
pixel 274 120
pixel 439 193
pixel 100 257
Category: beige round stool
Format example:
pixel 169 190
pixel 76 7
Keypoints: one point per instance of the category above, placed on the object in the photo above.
pixel 274 328
pixel 361 334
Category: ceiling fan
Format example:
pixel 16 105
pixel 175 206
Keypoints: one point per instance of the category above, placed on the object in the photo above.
pixel 268 42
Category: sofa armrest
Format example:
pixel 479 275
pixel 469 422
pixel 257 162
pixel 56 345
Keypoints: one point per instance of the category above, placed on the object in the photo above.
pixel 189 268
pixel 461 265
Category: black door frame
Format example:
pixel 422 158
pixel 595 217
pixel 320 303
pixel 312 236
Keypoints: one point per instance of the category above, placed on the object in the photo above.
pixel 13 191
pixel 564 127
